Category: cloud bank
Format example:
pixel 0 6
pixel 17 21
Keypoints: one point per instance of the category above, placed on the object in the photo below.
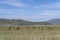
pixel 32 12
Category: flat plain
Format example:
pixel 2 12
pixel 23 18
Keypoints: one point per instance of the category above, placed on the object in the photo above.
pixel 30 32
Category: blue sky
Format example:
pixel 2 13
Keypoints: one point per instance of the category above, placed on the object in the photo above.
pixel 31 10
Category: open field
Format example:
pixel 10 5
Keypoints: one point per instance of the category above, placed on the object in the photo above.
pixel 30 32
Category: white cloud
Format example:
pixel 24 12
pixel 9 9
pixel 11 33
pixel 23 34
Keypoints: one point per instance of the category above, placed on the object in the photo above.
pixel 43 16
pixel 20 14
pixel 13 3
pixel 40 15
pixel 48 5
pixel 52 5
pixel 35 7
pixel 12 12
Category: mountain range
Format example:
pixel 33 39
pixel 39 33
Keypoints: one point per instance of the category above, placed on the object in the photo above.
pixel 54 21
pixel 24 22
pixel 20 22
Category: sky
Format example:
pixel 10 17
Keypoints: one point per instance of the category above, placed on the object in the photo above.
pixel 31 10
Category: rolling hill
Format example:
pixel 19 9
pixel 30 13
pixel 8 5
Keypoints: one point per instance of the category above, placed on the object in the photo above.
pixel 54 21
pixel 20 22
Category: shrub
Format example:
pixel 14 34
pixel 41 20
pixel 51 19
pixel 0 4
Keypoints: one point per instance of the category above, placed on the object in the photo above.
pixel 26 26
pixel 9 28
pixel 39 27
pixel 33 27
pixel 17 28
pixel 50 28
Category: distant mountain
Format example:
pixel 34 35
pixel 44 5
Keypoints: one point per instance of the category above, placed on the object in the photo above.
pixel 20 22
pixel 54 21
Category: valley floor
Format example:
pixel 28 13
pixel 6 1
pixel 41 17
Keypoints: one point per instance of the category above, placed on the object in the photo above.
pixel 30 32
